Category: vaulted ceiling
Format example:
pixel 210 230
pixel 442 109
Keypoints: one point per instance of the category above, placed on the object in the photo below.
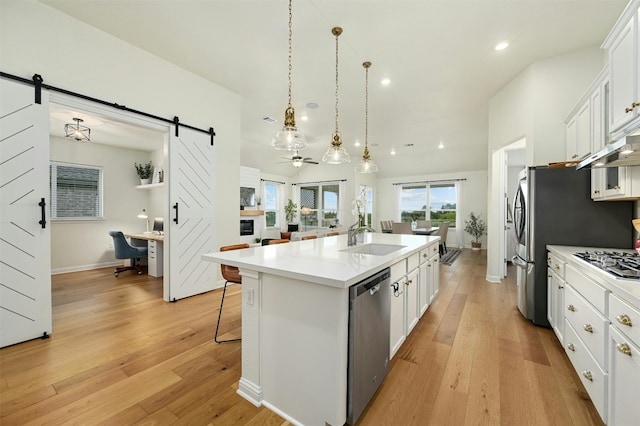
pixel 438 55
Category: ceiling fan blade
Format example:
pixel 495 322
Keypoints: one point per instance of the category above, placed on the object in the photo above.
pixel 309 161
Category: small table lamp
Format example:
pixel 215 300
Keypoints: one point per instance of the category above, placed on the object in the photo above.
pixel 143 215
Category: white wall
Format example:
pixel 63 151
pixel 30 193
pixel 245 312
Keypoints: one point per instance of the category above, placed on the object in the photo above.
pixel 79 245
pixel 35 38
pixel 534 106
pixel 473 197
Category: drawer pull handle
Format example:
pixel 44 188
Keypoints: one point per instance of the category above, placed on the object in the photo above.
pixel 587 375
pixel 557 267
pixel 571 308
pixel 588 328
pixel 408 282
pixel 424 255
pixel 623 348
pixel 571 347
pixel 560 287
pixel 624 320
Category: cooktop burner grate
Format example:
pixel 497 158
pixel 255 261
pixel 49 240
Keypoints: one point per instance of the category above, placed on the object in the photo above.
pixel 624 265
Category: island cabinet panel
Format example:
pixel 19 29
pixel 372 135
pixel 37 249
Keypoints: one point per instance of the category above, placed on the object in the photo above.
pixel 624 377
pixel 305 348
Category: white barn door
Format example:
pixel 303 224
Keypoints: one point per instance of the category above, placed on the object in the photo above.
pixel 192 195
pixel 25 249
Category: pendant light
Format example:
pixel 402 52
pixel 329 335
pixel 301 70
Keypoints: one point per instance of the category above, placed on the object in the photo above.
pixel 288 138
pixel 366 164
pixel 77 131
pixel 336 154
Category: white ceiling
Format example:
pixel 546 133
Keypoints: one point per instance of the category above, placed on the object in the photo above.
pixel 438 54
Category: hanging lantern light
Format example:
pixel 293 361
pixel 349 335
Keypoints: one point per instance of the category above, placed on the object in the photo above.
pixel 366 164
pixel 289 138
pixel 336 154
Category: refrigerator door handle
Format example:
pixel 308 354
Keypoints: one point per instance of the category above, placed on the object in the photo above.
pixel 521 263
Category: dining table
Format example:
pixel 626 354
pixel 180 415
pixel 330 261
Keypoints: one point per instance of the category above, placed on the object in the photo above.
pixel 425 231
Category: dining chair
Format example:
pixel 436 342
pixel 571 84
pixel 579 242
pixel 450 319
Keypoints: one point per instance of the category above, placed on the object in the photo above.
pixel 231 274
pixel 442 233
pixel 402 228
pixel 332 234
pixel 424 223
pixel 280 241
pixel 309 237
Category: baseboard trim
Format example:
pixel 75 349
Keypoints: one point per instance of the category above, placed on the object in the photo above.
pixel 79 268
pixel 250 391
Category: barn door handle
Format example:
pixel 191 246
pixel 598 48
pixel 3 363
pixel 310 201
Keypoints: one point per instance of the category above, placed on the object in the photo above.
pixel 175 219
pixel 43 221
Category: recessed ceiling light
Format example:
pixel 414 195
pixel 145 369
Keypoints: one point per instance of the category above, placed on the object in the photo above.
pixel 385 81
pixel 393 152
pixel 440 145
pixel 312 105
pixel 501 46
pixel 356 143
pixel 304 118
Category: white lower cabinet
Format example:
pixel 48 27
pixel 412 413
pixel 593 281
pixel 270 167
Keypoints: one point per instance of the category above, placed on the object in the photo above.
pixel 411 289
pixel 398 331
pixel 412 293
pixel 624 361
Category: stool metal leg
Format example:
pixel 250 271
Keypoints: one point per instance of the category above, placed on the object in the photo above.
pixel 224 290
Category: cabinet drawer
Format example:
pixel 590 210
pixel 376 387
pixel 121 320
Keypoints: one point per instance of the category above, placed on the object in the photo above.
pixel 425 253
pixel 413 261
pixel 625 317
pixel 555 264
pixel 398 270
pixel 591 375
pixel 589 289
pixel 589 324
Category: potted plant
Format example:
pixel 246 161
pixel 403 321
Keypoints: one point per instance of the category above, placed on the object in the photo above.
pixel 145 171
pixel 477 228
pixel 290 210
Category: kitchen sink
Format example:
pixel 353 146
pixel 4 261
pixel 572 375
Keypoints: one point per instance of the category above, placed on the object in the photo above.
pixel 374 249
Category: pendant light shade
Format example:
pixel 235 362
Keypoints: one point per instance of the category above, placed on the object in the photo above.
pixel 366 164
pixel 336 154
pixel 289 138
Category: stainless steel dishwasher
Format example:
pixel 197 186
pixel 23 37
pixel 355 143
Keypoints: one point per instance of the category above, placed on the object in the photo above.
pixel 369 323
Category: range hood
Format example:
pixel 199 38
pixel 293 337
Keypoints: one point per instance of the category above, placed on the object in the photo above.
pixel 623 152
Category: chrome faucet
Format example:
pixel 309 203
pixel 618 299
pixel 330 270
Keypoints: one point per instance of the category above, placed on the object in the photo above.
pixel 354 230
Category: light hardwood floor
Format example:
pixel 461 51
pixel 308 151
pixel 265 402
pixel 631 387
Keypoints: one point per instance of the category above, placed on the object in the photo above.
pixel 119 355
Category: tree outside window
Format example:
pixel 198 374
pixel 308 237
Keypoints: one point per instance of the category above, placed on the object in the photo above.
pixel 322 204
pixel 271 203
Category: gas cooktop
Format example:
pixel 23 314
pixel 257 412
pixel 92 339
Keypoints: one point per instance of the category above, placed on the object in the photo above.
pixel 623 265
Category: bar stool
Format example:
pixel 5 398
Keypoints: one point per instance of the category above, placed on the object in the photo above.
pixel 232 275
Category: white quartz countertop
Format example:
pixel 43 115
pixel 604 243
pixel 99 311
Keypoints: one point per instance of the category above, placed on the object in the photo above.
pixel 627 288
pixel 323 260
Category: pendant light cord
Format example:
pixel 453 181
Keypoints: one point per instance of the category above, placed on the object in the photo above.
pixel 366 106
pixel 337 34
pixel 290 50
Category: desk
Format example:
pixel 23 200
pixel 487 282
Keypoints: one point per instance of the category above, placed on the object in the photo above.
pixel 154 243
pixel 425 231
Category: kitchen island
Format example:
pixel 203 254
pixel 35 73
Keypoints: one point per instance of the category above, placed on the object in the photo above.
pixel 295 316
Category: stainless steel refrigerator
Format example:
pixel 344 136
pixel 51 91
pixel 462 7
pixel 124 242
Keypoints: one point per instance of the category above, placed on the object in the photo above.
pixel 554 206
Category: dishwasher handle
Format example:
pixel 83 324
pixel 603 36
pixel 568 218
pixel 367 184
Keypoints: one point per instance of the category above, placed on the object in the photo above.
pixel 373 290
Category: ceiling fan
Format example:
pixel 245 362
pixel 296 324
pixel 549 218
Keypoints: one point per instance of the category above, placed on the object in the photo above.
pixel 297 160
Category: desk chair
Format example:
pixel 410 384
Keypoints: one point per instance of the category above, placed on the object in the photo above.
pixel 442 233
pixel 231 274
pixel 124 250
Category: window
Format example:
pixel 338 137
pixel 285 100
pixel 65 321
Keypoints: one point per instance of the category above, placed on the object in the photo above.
pixel 76 191
pixel 429 201
pixel 271 204
pixel 322 202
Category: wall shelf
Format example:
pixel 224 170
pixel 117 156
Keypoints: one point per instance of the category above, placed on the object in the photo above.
pixel 150 186
pixel 251 212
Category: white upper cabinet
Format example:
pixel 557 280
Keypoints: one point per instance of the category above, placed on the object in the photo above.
pixel 623 44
